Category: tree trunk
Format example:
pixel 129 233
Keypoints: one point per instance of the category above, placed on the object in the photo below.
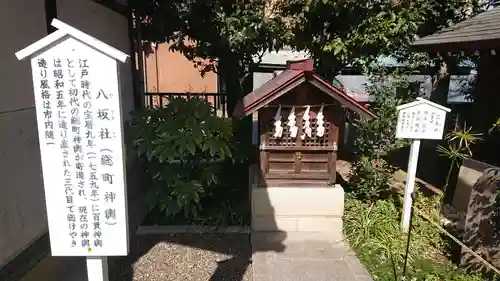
pixel 230 73
pixel 436 165
pixel 440 84
pixel 234 93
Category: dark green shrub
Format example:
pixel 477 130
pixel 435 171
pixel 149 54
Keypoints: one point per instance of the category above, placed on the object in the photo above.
pixel 183 147
pixel 426 270
pixel 369 181
pixel 376 139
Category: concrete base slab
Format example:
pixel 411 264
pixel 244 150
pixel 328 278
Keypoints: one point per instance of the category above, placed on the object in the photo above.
pixel 303 257
pixel 295 236
pixel 295 209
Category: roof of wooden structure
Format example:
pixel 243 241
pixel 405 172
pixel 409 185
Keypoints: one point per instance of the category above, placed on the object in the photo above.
pixel 297 73
pixel 479 32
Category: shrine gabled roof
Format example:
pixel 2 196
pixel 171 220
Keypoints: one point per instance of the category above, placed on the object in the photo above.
pixel 478 32
pixel 296 74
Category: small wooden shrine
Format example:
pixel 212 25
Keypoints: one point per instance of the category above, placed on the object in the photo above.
pixel 299 115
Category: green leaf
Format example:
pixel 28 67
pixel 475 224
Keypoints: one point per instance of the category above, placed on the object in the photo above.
pixel 205 146
pixel 191 147
pixel 392 15
pixel 163 156
pixel 401 21
pixel 338 48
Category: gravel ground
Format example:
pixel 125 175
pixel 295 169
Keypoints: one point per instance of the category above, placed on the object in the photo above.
pixel 186 257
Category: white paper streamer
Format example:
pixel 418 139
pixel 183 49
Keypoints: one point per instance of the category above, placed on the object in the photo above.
pixel 307 124
pixel 278 129
pixel 292 123
pixel 320 130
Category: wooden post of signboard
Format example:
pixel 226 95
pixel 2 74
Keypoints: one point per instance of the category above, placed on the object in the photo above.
pixel 410 183
pixel 80 130
pixel 421 119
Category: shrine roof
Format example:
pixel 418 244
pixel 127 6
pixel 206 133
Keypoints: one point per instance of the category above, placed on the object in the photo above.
pixel 480 31
pixel 297 73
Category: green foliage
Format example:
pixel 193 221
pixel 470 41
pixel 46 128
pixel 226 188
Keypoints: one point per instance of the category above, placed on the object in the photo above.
pixel 495 127
pixel 368 180
pixel 339 33
pixel 464 138
pixel 224 204
pixel 375 228
pixel 183 147
pixel 227 215
pixel 373 231
pixel 221 36
pixel 376 139
pixel 226 36
pixel 428 205
pixel 459 142
pixel 426 271
pixel 239 29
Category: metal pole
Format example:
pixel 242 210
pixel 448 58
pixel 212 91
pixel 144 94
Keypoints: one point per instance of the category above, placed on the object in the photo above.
pixel 409 237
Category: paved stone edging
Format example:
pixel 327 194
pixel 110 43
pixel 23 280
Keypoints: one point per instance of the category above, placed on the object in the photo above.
pixel 175 229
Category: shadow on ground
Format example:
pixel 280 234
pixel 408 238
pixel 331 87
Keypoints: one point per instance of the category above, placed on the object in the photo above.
pixel 200 257
pixel 197 257
pixel 185 257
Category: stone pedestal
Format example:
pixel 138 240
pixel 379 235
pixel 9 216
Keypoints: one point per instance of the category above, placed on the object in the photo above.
pixel 295 209
pixel 481 223
pixel 470 171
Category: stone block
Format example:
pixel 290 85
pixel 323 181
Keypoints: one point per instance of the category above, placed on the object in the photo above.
pixel 272 223
pixel 298 201
pixel 319 224
pixel 298 209
pixel 469 173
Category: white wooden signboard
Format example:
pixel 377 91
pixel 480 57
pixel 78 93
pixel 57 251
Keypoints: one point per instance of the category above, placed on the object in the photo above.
pixel 421 119
pixel 77 98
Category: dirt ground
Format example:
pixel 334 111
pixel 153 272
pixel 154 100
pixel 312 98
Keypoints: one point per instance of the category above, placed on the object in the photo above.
pixel 186 257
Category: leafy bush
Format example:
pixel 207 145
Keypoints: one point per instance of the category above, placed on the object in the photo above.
pixel 427 271
pixel 376 139
pixel 372 223
pixel 369 181
pixel 373 231
pixel 458 148
pixel 183 146
pixel 495 127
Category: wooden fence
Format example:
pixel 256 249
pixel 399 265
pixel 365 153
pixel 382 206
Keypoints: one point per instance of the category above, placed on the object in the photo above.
pixel 218 100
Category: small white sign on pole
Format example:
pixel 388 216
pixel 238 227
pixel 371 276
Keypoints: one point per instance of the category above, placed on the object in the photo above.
pixel 421 119
pixel 78 109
